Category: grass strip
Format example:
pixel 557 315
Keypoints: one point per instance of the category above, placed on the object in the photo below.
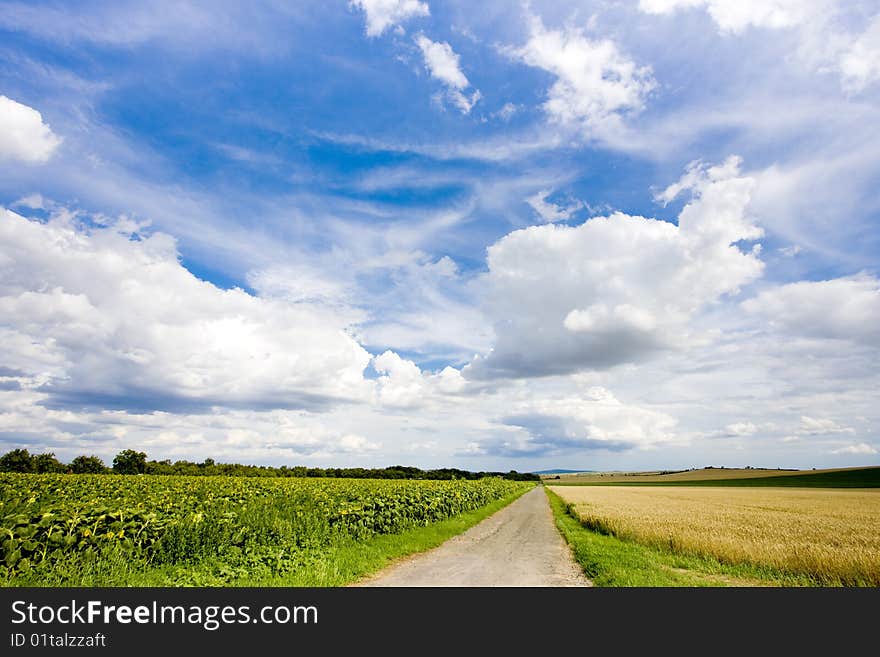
pixel 610 561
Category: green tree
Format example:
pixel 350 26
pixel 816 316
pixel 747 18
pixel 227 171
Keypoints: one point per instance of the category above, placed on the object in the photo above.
pixel 87 465
pixel 129 461
pixel 47 463
pixel 18 460
pixel 159 467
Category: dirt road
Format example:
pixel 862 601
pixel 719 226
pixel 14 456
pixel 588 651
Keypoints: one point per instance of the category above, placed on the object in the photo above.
pixel 517 546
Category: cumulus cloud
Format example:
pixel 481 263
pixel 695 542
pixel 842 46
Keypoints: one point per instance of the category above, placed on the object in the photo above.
pixel 596 84
pixel 23 135
pixel 449 381
pixel 593 419
pixel 442 63
pixel 402 384
pixel 237 435
pixel 110 317
pixel 846 308
pixel 619 288
pixel 383 14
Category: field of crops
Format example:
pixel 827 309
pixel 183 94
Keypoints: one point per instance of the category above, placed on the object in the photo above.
pixel 56 524
pixel 829 535
pixel 864 477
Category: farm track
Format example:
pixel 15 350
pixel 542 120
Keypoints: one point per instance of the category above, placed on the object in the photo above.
pixel 517 546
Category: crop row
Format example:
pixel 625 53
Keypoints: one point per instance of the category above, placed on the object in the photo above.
pixel 171 518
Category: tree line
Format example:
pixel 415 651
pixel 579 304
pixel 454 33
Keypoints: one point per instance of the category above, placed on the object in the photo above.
pixel 130 461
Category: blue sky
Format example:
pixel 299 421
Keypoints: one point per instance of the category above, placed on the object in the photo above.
pixel 605 235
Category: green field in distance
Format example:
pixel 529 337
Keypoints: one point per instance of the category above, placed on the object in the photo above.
pixel 863 477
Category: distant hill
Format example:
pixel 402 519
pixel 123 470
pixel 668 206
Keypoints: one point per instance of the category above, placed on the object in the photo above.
pixel 559 471
pixel 860 477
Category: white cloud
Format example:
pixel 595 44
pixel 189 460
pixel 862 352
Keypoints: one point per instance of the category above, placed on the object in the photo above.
pixel 859 60
pixel 845 308
pixel 599 317
pixel 231 435
pixel 111 316
pixel 740 429
pixel 596 84
pixel 811 426
pixel 551 212
pixel 616 289
pixel 443 64
pixel 734 17
pixel 833 35
pixel 858 448
pixel 351 442
pixel 506 112
pixel 444 267
pixel 33 202
pixel 300 284
pixel 449 381
pixel 498 148
pixel 23 135
pixel 592 419
pixel 383 14
pixel 401 383
pixel 697 173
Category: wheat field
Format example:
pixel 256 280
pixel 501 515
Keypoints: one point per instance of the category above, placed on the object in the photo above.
pixel 831 535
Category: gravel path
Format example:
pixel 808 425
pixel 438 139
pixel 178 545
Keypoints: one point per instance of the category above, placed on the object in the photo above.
pixel 517 546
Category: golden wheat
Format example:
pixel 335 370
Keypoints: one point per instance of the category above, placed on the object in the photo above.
pixel 830 534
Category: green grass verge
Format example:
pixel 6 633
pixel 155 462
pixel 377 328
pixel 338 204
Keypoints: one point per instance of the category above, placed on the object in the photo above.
pixel 857 478
pixel 343 562
pixel 610 561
